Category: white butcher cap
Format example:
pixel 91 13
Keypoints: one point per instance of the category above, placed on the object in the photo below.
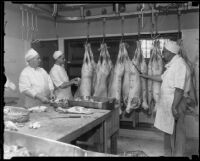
pixel 31 53
pixel 57 54
pixel 172 46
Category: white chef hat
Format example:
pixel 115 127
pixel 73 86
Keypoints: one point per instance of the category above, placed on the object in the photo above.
pixel 172 46
pixel 57 54
pixel 31 53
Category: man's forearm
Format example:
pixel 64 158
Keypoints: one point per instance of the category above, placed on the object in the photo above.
pixel 178 95
pixel 154 77
pixel 66 84
pixel 30 94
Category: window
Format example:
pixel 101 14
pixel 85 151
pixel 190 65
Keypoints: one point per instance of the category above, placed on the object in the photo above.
pixel 147 45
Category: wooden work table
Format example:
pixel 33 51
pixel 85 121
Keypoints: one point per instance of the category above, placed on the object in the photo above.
pixel 69 129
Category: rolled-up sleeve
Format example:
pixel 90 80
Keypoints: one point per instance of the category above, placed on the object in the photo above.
pixel 25 85
pixel 180 72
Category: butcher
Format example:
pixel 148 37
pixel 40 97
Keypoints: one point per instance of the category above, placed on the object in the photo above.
pixel 60 78
pixel 34 82
pixel 174 98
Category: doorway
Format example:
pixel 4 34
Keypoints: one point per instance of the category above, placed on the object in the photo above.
pixel 46 50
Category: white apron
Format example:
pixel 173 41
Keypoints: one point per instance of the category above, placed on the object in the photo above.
pixel 164 119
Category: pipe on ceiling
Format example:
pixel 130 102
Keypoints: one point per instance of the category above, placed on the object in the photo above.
pixel 111 16
pixel 60 18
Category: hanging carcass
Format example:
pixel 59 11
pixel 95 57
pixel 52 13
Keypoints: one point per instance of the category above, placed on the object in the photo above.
pixel 134 98
pixel 86 74
pixel 103 69
pixel 196 80
pixel 150 84
pixel 115 79
pixel 125 85
pixel 157 69
pixel 144 70
pixel 94 69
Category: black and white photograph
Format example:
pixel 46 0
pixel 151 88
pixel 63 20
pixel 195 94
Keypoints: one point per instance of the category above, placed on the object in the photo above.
pixel 100 79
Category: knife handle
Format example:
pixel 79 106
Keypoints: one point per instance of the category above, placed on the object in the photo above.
pixel 74 116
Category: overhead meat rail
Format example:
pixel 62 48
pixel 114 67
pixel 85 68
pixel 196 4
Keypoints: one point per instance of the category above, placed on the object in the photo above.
pixel 47 14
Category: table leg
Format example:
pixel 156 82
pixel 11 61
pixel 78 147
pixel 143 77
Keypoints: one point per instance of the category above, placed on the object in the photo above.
pixel 105 137
pixel 113 143
pixel 100 141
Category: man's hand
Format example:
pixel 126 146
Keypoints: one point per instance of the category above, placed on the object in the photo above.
pixel 76 81
pixel 42 98
pixel 52 96
pixel 144 75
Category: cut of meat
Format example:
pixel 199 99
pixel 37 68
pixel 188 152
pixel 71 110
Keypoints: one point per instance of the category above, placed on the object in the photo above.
pixel 94 69
pixel 144 70
pixel 86 74
pixel 134 98
pixel 196 79
pixel 157 69
pixel 125 85
pixel 103 70
pixel 150 85
pixel 115 83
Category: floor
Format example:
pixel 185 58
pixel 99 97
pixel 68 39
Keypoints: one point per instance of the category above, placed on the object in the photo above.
pixel 149 147
pixel 148 144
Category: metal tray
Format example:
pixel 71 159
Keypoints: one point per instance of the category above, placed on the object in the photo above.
pixel 98 102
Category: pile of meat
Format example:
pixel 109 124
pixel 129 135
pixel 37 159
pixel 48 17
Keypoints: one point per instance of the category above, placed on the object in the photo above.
pixel 121 81
pixel 13 151
pixel 17 151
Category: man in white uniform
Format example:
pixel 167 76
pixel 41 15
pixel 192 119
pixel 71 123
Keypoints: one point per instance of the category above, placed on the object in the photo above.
pixel 173 100
pixel 60 78
pixel 34 82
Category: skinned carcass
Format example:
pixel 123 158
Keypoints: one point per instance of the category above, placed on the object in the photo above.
pixel 125 84
pixel 144 70
pixel 134 98
pixel 157 69
pixel 150 84
pixel 196 80
pixel 103 69
pixel 86 74
pixel 94 69
pixel 115 79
